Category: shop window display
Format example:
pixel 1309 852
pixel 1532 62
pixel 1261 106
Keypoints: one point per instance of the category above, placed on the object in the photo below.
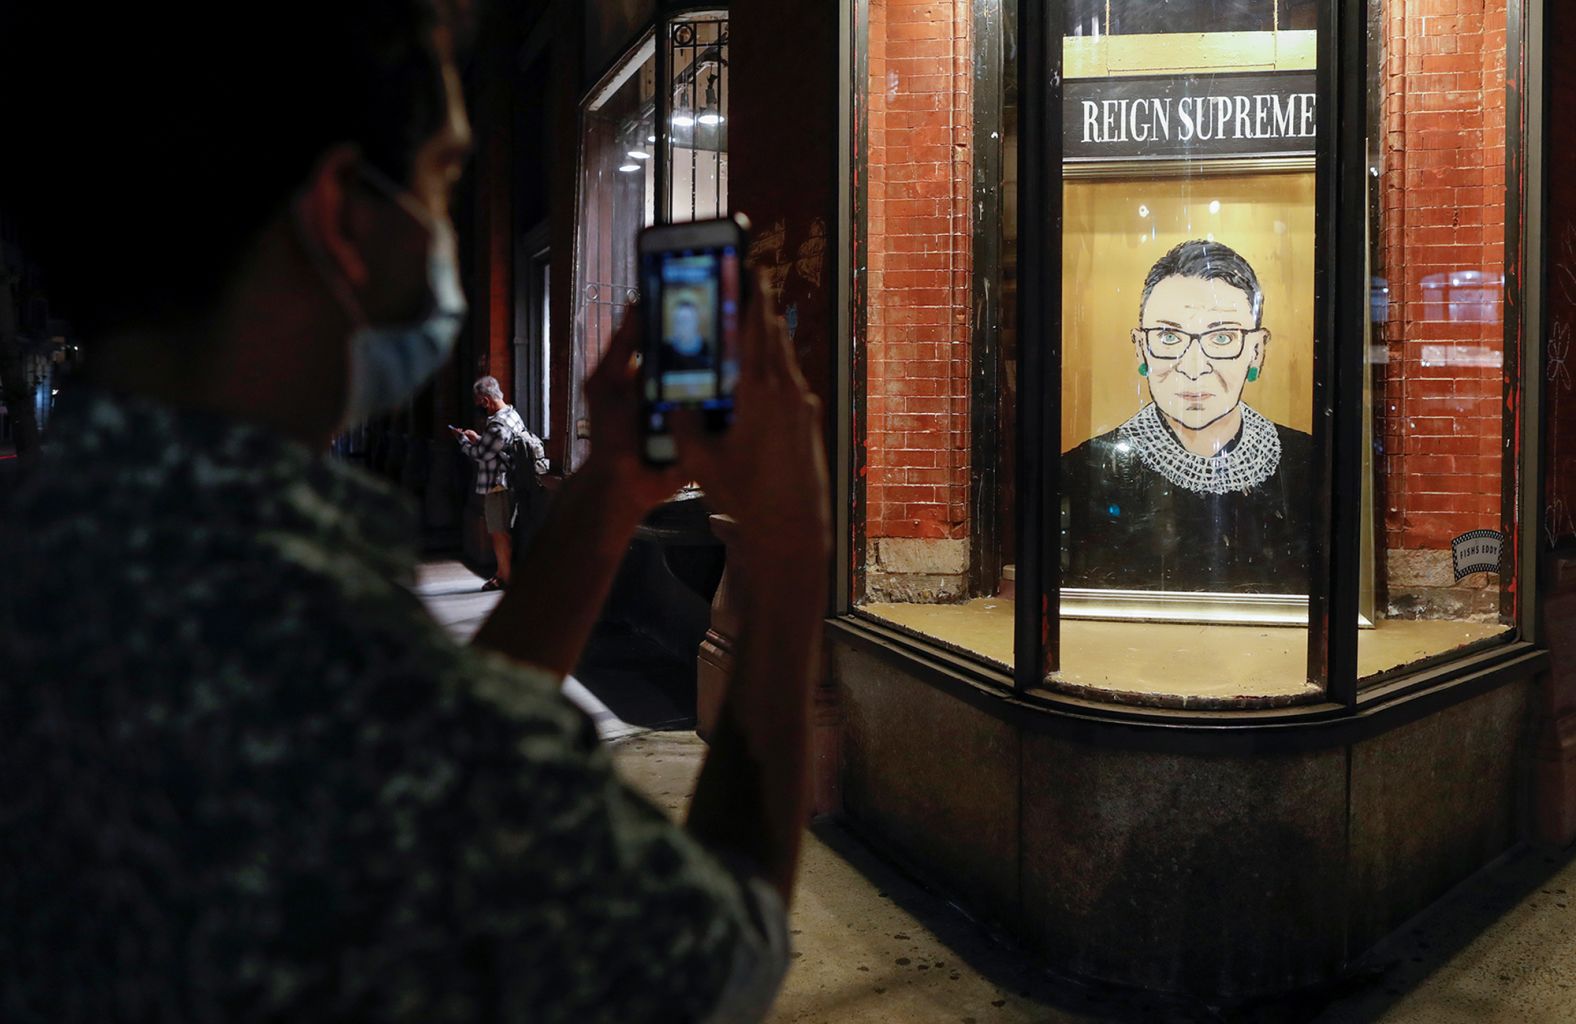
pixel 1445 521
pixel 1191 497
pixel 937 252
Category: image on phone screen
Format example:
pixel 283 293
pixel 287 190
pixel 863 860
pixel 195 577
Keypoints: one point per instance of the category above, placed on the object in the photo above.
pixel 695 351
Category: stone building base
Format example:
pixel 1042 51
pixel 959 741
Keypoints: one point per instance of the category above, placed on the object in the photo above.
pixel 1422 585
pixel 911 570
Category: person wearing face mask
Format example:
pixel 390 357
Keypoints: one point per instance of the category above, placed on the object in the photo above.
pixel 492 476
pixel 245 775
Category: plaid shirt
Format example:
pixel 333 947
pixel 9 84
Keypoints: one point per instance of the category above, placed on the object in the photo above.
pixel 502 426
pixel 244 776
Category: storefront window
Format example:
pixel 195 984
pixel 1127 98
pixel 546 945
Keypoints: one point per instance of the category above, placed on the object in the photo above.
pixel 632 175
pixel 1444 503
pixel 698 144
pixel 1188 272
pixel 1197 362
pixel 938 249
pixel 617 199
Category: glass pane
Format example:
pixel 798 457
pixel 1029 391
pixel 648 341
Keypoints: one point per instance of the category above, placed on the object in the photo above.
pixel 1437 339
pixel 545 285
pixel 618 198
pixel 1188 353
pixel 937 249
pixel 698 144
pixel 1191 17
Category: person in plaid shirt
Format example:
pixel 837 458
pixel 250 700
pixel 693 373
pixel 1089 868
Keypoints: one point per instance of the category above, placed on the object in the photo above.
pixel 492 477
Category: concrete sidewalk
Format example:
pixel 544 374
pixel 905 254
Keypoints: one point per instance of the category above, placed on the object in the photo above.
pixel 873 946
pixel 453 594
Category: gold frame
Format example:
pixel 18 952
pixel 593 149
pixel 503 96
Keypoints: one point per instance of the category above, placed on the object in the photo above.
pixel 1084 170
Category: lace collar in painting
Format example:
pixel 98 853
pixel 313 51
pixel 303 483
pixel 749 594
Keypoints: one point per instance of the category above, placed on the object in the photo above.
pixel 1244 465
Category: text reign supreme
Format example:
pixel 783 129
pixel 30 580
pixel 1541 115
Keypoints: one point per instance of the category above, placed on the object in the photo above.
pixel 1188 119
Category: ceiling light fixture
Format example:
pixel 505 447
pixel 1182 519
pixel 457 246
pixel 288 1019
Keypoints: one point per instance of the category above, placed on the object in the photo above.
pixel 710 112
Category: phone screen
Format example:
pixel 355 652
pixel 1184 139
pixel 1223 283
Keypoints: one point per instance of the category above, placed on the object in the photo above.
pixel 692 333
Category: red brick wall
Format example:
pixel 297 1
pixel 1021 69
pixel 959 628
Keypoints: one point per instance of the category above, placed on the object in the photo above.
pixel 1442 212
pixel 919 165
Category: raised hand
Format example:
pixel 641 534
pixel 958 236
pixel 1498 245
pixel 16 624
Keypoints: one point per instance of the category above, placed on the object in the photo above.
pixel 613 394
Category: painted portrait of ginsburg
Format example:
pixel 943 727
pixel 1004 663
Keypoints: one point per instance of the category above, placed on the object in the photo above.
pixel 1197 492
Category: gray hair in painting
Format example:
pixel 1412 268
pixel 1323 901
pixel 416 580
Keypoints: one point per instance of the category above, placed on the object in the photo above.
pixel 488 386
pixel 1208 261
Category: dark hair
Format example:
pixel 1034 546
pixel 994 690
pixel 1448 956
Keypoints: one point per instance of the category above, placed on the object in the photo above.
pixel 148 144
pixel 1208 261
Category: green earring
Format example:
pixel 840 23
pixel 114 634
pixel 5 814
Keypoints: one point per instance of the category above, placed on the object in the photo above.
pixel 1253 374
pixel 1143 369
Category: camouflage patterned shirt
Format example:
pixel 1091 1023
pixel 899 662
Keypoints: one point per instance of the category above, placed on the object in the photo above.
pixel 244 776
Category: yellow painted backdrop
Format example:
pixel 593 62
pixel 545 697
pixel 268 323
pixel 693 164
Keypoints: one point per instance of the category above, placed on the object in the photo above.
pixel 1115 231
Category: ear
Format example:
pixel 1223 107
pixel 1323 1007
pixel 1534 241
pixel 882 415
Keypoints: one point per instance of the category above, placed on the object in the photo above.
pixel 1260 347
pixel 327 211
pixel 1138 345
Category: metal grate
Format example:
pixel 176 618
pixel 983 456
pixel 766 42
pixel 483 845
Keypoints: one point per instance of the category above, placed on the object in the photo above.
pixel 698 139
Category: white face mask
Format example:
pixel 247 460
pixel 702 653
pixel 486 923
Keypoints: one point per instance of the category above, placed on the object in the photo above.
pixel 390 363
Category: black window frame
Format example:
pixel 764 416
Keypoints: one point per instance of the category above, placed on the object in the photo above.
pixel 658 33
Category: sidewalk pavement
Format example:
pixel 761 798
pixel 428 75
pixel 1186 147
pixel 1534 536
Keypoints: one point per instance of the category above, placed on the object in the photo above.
pixel 452 593
pixel 874 946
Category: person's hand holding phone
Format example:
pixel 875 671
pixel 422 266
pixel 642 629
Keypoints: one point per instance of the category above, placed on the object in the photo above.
pixel 767 471
pixel 614 401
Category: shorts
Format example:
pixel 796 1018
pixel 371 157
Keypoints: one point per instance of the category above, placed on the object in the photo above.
pixel 497 510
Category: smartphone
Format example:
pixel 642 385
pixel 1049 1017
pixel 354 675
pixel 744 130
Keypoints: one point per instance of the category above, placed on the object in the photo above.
pixel 693 293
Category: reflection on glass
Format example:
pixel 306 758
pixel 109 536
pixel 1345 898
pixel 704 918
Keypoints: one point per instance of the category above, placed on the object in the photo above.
pixel 936 175
pixel 545 356
pixel 1437 344
pixel 698 126
pixel 618 198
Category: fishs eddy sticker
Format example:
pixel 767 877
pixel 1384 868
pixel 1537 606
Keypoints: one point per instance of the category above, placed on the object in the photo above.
pixel 1477 551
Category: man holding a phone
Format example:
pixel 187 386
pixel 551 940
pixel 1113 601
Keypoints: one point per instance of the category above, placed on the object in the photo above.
pixel 245 775
pixel 488 450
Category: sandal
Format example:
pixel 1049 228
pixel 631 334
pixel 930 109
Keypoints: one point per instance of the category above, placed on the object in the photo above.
pixel 495 584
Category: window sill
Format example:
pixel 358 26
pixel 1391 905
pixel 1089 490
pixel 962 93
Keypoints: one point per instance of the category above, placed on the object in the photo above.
pixel 1315 723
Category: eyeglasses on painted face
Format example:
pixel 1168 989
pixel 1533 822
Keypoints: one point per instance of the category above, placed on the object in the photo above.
pixel 1169 343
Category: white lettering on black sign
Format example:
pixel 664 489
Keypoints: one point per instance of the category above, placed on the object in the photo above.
pixel 1190 116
